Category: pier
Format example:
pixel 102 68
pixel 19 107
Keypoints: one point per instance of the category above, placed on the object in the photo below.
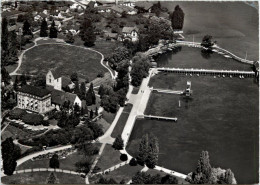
pixel 161 118
pixel 213 72
pixel 169 91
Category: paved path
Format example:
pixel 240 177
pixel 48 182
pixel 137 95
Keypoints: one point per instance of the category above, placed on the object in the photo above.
pixel 46 169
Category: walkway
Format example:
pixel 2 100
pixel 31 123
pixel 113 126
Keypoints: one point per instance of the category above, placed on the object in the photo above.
pixel 208 72
pixel 216 47
pixel 168 91
pixel 161 118
pixel 45 170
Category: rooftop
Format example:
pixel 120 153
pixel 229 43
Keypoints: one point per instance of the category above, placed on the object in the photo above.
pixel 36 91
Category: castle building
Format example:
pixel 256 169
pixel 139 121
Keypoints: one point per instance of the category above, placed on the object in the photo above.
pixel 34 99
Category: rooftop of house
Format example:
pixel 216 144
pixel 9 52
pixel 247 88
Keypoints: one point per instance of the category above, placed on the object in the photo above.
pixel 65 81
pixel 59 97
pixel 56 73
pixel 36 91
pixel 129 29
pixel 144 5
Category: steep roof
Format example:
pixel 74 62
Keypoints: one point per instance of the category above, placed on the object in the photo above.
pixel 36 91
pixel 144 5
pixel 129 29
pixel 56 73
pixel 117 8
pixel 65 81
pixel 59 97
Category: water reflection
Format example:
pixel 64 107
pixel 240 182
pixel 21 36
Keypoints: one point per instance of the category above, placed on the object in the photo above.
pixel 206 53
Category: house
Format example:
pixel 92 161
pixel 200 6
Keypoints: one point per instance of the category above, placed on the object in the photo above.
pixel 104 9
pixel 58 98
pixel 130 33
pixel 34 99
pixel 143 6
pixel 55 80
pixel 127 3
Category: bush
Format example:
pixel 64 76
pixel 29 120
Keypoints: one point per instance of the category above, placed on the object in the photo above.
pixel 133 162
pixel 123 157
pixel 17 113
pixel 100 75
pixel 45 123
pixel 32 119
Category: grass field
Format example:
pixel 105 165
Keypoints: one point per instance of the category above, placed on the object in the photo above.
pixel 125 173
pixel 109 158
pixel 221 117
pixel 67 59
pixel 122 121
pixel 40 178
pixel 234 25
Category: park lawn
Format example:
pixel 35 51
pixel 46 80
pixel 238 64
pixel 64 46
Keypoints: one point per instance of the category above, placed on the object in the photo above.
pixel 40 178
pixel 162 174
pixel 66 58
pixel 108 116
pixel 221 117
pixel 106 47
pixel 11 68
pixel 125 173
pixel 109 158
pixel 105 125
pixel 122 121
pixel 14 132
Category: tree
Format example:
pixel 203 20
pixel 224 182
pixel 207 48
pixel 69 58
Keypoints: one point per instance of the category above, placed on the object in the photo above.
pixel 118 143
pixel 23 79
pixel 229 176
pixel 4 42
pixel 12 47
pixel 39 80
pixel 152 153
pixel 96 112
pixel 87 32
pixel 90 96
pixel 207 41
pixel 103 180
pixel 10 153
pixel 123 157
pixel 133 162
pixel 27 28
pixel 101 90
pixel 139 71
pixel 44 29
pixel 54 161
pixel 167 179
pixel 143 148
pixel 69 38
pixel 53 30
pixel 88 149
pixel 84 165
pixel 177 18
pixel 83 90
pixel 74 77
pixel 91 114
pixel 52 179
pixel 76 89
pixel 16 83
pixel 5 75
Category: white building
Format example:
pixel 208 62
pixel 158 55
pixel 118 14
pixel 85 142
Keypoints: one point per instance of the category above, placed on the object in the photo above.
pixel 130 33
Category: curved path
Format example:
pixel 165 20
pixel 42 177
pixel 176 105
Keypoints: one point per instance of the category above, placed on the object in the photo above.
pixel 20 58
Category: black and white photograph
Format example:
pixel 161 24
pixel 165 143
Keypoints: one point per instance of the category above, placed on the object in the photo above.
pixel 129 92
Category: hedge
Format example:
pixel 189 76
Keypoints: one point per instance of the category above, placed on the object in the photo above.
pixel 17 113
pixel 32 119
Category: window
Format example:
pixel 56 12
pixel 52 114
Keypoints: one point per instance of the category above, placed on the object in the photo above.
pixel 50 78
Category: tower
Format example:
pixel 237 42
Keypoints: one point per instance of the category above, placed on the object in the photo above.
pixel 188 90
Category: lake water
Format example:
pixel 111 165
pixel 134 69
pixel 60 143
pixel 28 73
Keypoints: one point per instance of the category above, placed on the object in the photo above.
pixel 193 58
